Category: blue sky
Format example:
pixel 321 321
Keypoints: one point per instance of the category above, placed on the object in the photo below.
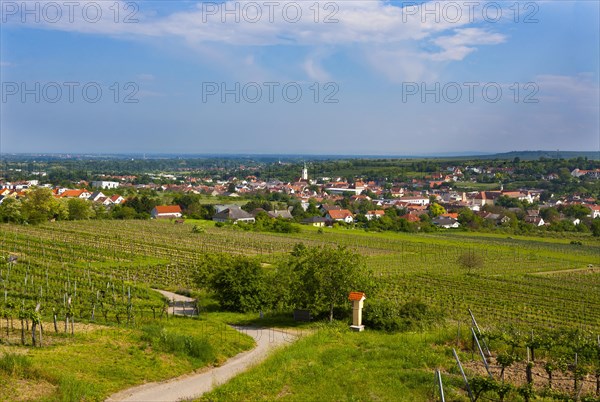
pixel 402 76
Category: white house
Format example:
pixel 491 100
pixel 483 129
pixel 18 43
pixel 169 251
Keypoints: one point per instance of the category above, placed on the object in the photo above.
pixel 340 215
pixel 96 196
pixel 535 220
pixel 376 214
pixel 75 194
pixel 233 214
pixel 595 211
pixel 416 200
pixel 105 184
pixel 445 222
pixel 117 199
pixel 166 211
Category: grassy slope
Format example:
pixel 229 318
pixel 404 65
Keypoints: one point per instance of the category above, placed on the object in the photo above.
pixel 96 363
pixel 335 364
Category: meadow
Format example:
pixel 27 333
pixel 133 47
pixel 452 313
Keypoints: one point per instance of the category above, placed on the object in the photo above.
pixel 100 274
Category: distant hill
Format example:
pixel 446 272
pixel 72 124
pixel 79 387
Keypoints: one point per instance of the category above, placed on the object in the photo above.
pixel 531 155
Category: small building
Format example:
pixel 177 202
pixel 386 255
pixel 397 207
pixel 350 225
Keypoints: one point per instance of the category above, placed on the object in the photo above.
pixel 105 184
pixel 76 194
pixel 233 214
pixel 357 299
pixel 166 211
pixel 117 199
pixel 96 196
pixel 317 221
pixel 446 223
pixel 416 200
pixel 342 215
pixel 376 214
pixel 104 201
pixel 282 213
pixel 534 220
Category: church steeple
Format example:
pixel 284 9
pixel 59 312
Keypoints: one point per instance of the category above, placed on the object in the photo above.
pixel 304 175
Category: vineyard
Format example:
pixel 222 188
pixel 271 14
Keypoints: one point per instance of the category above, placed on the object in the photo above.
pixel 102 271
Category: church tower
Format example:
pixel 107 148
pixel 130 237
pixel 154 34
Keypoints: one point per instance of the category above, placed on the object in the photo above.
pixel 304 175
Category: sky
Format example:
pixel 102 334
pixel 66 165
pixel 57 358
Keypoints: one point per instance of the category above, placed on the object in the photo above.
pixel 299 77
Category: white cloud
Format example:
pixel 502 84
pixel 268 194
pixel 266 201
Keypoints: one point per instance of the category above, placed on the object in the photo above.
pixel 463 42
pixel 386 32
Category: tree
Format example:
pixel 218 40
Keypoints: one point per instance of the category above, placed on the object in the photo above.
pixel 123 212
pixel 470 261
pixel 10 210
pixel 40 206
pixel 596 227
pixel 576 211
pixel 550 214
pixel 79 209
pixel 436 209
pixel 141 205
pixel 239 284
pixel 322 277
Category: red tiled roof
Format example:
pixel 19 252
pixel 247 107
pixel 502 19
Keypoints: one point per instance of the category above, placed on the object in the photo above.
pixel 73 193
pixel 339 214
pixel 377 212
pixel 168 209
pixel 356 296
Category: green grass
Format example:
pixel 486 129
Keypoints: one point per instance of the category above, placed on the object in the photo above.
pixel 114 256
pixel 475 186
pixel 335 364
pixel 94 364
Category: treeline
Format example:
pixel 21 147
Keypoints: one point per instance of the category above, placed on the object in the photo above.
pixel 40 206
pixel 388 170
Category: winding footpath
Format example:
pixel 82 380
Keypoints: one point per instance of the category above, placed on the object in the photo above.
pixel 194 385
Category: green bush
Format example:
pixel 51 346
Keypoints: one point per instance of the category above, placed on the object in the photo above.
pixel 389 315
pixel 199 229
pixel 184 292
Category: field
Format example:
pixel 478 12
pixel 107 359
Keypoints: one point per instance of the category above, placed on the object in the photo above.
pixel 534 281
pixel 107 269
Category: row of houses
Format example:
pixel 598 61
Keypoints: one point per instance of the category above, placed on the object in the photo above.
pixel 65 193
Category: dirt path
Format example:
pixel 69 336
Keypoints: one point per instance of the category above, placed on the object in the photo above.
pixel 193 385
pixel 178 304
pixel 568 271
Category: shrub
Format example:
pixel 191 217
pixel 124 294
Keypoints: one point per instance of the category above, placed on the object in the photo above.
pixel 199 229
pixel 184 292
pixel 470 261
pixel 388 315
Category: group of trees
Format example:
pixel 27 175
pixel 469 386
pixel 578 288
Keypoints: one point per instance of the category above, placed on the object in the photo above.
pixel 40 206
pixel 314 278
pixel 559 219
